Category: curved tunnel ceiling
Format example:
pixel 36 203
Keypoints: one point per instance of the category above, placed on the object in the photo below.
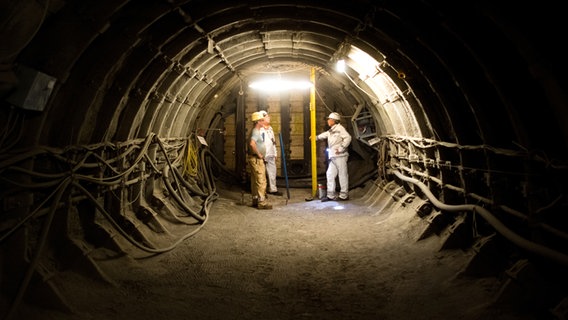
pixel 128 68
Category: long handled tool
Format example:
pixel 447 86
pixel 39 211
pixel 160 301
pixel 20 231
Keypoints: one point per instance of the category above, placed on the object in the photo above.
pixel 284 166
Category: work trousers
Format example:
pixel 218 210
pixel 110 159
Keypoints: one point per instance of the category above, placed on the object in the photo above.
pixel 337 167
pixel 271 173
pixel 257 178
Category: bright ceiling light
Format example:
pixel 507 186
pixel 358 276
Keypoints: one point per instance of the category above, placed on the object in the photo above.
pixel 340 66
pixel 274 85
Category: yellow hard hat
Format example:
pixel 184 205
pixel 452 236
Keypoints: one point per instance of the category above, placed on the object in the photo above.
pixel 256 116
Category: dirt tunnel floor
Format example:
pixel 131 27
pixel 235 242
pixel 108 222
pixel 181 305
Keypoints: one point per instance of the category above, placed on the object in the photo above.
pixel 300 260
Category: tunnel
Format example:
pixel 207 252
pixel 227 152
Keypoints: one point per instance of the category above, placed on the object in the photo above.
pixel 126 126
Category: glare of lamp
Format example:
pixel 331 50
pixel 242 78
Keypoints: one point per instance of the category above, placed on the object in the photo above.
pixel 340 66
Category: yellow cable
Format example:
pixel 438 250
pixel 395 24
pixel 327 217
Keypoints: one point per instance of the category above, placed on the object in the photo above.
pixel 191 163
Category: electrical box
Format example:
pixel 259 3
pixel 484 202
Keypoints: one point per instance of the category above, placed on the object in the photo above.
pixel 364 126
pixel 33 89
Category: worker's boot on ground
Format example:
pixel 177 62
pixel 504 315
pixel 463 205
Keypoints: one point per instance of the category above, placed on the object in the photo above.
pixel 264 205
pixel 255 202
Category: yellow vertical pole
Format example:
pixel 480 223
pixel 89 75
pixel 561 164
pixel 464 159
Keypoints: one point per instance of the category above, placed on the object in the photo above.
pixel 313 132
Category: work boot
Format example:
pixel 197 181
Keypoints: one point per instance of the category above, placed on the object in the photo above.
pixel 326 199
pixel 264 205
pixel 255 202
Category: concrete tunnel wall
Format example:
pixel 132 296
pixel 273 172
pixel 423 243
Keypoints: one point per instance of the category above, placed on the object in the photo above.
pixel 485 91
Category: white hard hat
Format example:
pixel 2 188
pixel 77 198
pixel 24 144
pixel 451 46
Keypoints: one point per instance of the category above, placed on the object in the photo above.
pixel 263 113
pixel 257 116
pixel 334 116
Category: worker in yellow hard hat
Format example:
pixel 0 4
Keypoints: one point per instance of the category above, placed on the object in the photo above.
pixel 256 162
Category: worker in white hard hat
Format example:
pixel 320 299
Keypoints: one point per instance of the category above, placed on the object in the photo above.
pixel 271 154
pixel 338 140
pixel 255 159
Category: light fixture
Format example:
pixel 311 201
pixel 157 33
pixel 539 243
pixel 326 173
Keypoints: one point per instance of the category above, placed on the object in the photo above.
pixel 340 66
